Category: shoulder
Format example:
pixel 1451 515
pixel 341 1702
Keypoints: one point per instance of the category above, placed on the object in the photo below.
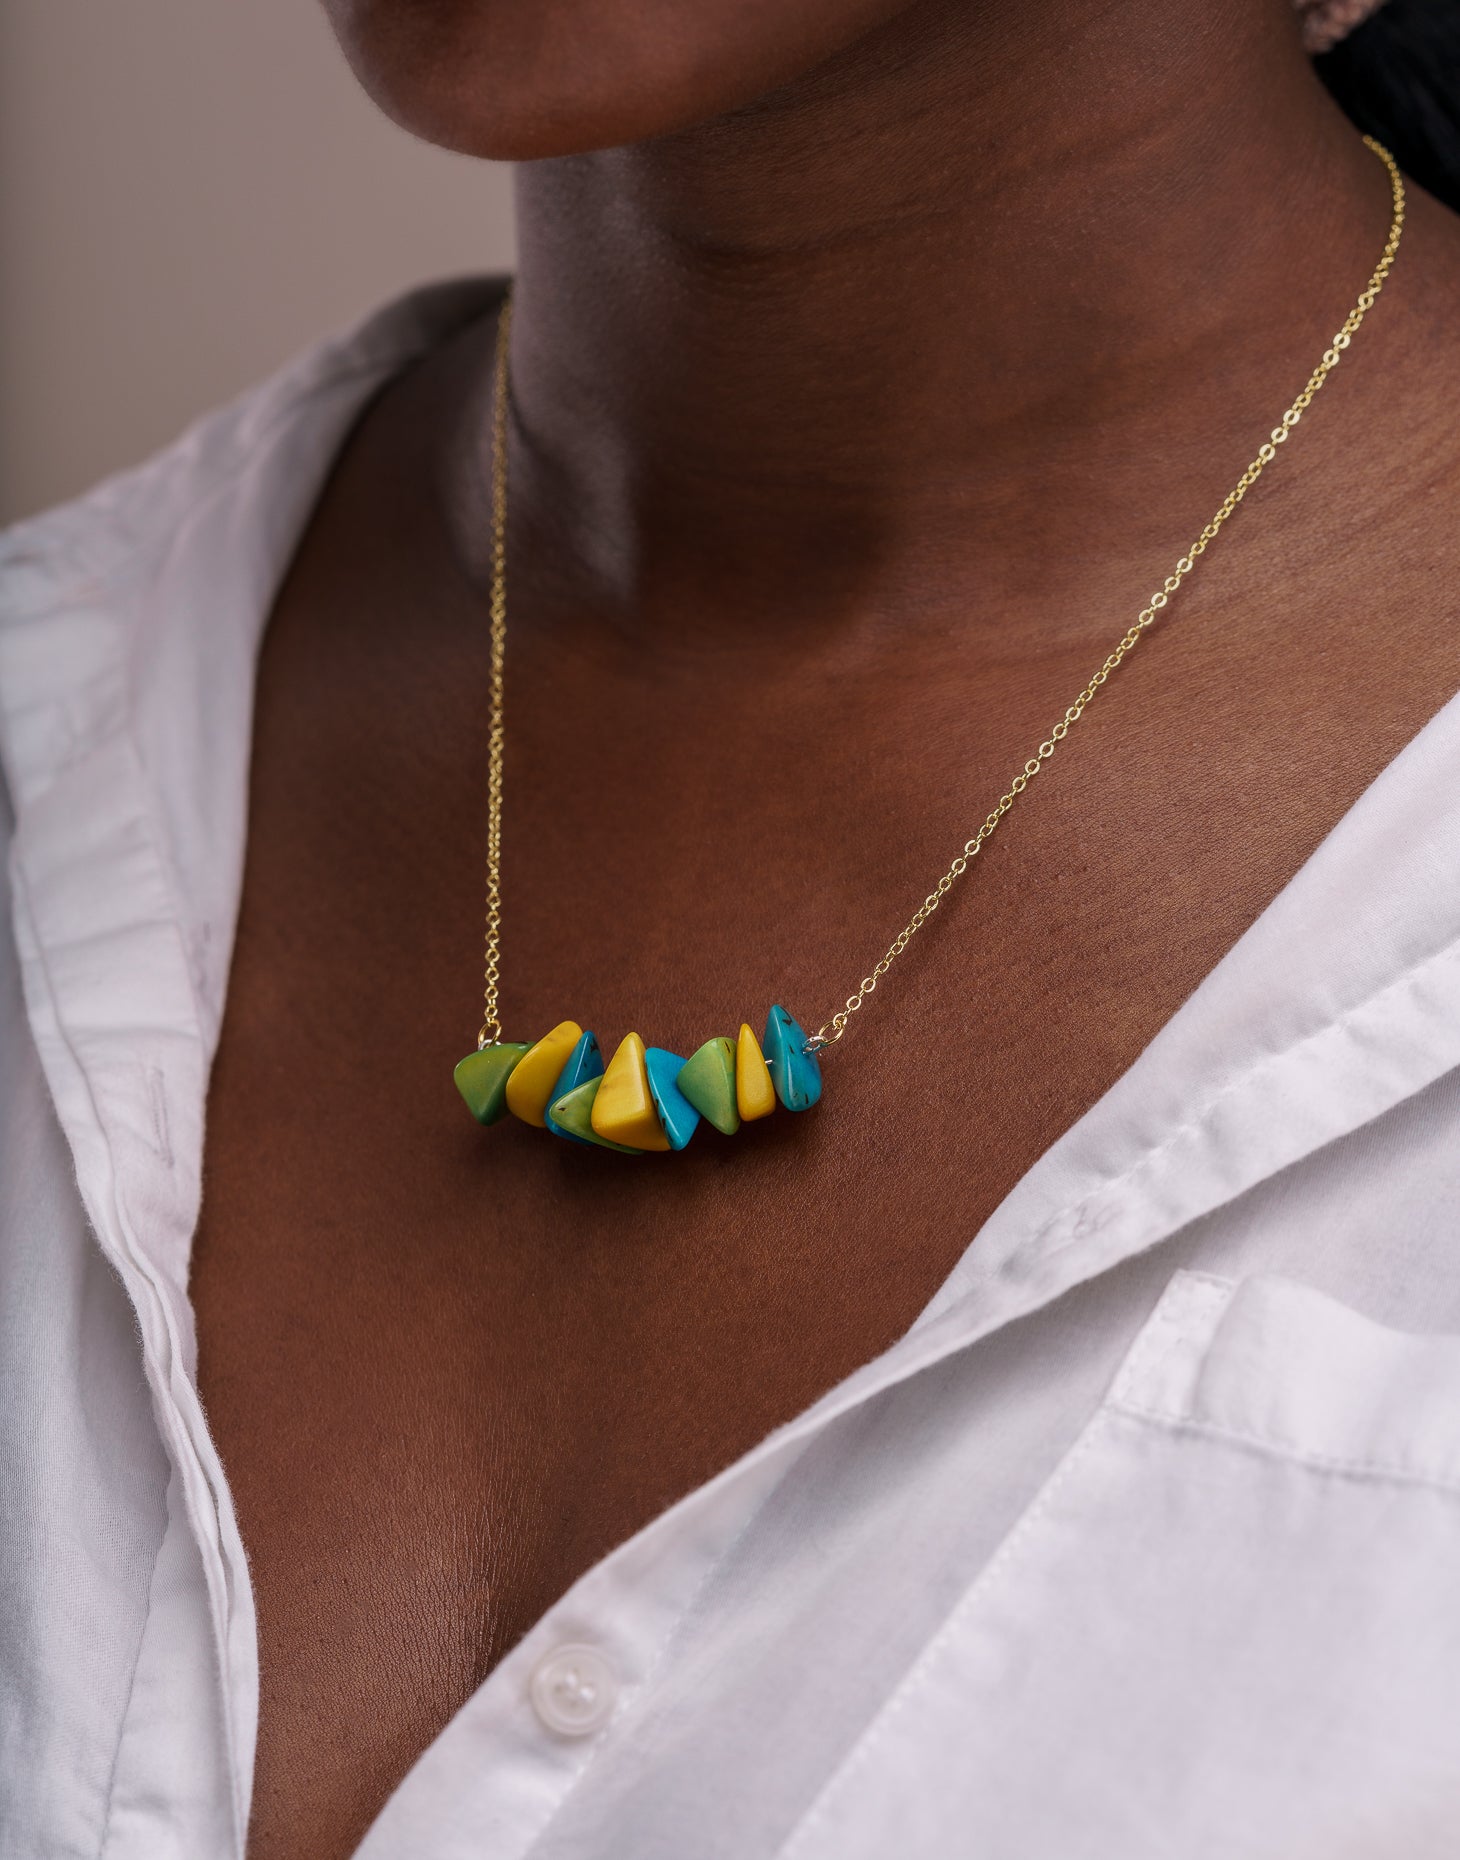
pixel 130 618
pixel 139 606
pixel 261 458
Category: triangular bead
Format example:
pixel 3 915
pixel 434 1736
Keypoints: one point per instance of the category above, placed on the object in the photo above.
pixel 676 1114
pixel 795 1074
pixel 572 1116
pixel 623 1110
pixel 536 1074
pixel 754 1093
pixel 482 1077
pixel 584 1062
pixel 707 1080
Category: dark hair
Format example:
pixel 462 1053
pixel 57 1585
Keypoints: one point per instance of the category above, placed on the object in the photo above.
pixel 1398 76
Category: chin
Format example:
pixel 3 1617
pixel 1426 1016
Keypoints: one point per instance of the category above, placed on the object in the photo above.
pixel 519 80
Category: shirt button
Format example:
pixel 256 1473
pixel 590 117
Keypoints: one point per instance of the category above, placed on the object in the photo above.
pixel 573 1691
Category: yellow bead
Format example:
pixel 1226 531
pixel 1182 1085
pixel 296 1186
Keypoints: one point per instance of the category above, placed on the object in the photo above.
pixel 536 1074
pixel 754 1093
pixel 623 1110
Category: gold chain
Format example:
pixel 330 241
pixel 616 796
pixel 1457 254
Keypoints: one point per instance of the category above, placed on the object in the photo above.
pixel 832 1030
pixel 491 1030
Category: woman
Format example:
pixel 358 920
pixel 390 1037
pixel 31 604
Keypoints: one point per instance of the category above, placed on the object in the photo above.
pixel 1045 1445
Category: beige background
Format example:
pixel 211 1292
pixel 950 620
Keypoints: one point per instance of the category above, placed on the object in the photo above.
pixel 189 191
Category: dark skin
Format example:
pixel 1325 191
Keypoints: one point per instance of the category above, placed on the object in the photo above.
pixel 851 427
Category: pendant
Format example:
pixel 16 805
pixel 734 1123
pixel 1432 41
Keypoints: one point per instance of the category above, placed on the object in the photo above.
pixel 646 1099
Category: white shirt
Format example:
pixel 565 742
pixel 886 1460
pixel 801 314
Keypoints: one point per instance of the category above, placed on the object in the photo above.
pixel 1143 1544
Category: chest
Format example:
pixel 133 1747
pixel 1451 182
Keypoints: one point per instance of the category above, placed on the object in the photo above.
pixel 448 1368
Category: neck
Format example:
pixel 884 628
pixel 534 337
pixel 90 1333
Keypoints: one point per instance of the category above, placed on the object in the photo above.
pixel 1072 256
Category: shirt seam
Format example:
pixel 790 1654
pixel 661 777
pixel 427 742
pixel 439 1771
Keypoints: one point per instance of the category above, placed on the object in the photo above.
pixel 989 1578
pixel 1186 1301
pixel 171 923
pixel 1341 1023
pixel 1038 1250
pixel 1273 1446
pixel 147 1614
pixel 141 1266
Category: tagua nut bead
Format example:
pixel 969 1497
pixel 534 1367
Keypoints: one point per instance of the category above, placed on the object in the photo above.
pixel 677 1116
pixel 584 1062
pixel 623 1110
pixel 482 1079
pixel 572 1116
pixel 754 1093
pixel 795 1074
pixel 707 1080
pixel 536 1074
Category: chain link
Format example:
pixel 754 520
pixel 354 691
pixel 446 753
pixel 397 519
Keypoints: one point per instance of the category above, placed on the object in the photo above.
pixel 832 1030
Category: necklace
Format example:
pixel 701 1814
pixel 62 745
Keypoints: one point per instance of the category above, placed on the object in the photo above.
pixel 651 1099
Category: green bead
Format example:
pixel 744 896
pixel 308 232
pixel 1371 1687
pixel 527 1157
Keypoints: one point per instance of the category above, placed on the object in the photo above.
pixel 482 1077
pixel 707 1079
pixel 572 1116
pixel 584 1062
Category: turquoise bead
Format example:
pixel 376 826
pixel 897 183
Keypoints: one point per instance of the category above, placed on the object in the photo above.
pixel 676 1113
pixel 584 1062
pixel 795 1075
